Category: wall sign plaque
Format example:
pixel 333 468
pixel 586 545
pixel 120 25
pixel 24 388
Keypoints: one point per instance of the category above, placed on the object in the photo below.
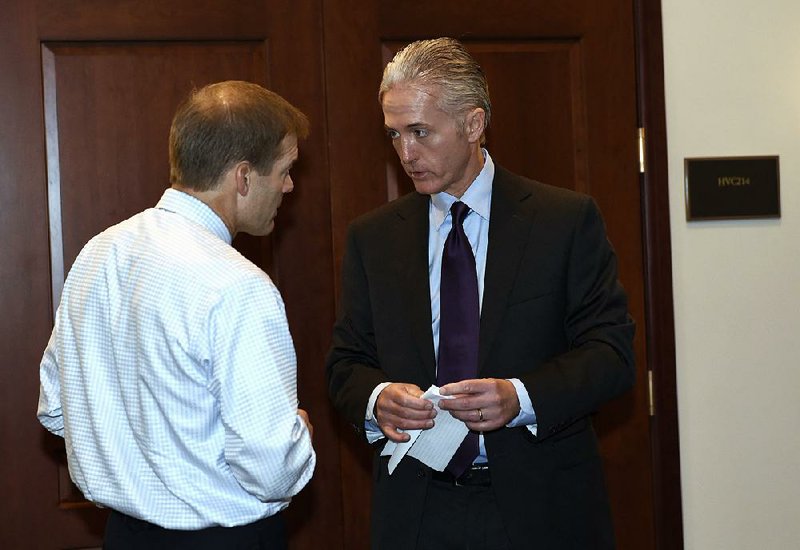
pixel 730 188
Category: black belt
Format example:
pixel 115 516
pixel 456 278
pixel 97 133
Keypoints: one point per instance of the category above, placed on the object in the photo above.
pixel 477 475
pixel 142 525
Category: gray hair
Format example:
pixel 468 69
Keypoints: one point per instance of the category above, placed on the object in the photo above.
pixel 445 64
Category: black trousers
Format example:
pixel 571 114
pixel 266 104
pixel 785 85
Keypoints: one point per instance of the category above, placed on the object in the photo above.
pixel 462 515
pixel 127 533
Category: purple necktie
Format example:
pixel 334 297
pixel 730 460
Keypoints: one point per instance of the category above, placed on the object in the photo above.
pixel 459 323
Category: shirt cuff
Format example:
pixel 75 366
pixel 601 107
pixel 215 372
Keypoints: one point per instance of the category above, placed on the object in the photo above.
pixel 371 429
pixel 526 416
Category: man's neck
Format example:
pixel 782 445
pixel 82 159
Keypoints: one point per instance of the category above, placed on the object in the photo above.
pixel 474 167
pixel 223 204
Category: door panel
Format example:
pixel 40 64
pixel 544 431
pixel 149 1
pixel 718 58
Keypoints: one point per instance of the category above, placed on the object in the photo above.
pixel 108 108
pixel 563 85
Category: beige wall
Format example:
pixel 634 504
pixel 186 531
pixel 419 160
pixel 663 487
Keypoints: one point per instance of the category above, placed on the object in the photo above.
pixel 732 70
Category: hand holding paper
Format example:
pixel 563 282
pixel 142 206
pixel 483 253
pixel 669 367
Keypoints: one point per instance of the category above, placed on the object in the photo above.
pixel 401 408
pixel 434 447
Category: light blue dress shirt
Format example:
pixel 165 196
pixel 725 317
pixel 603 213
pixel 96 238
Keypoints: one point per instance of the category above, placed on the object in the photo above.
pixel 478 197
pixel 171 374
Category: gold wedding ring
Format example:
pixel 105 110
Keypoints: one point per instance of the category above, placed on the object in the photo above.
pixel 480 415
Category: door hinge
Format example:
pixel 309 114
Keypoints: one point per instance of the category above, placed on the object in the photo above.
pixel 650 395
pixel 641 150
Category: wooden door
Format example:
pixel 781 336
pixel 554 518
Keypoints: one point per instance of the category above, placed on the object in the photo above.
pixel 88 92
pixel 562 77
pixel 87 89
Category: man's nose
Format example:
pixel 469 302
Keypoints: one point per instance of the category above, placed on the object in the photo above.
pixel 288 185
pixel 406 150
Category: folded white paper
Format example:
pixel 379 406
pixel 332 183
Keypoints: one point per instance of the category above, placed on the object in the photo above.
pixel 434 447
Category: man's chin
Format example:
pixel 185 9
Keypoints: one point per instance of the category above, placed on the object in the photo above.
pixel 426 186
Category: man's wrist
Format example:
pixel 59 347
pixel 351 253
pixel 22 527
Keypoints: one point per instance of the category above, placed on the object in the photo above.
pixel 372 403
pixel 526 416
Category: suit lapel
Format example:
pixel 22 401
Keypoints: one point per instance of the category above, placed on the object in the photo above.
pixel 414 283
pixel 509 229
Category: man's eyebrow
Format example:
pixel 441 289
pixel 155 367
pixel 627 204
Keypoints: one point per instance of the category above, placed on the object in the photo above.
pixel 410 126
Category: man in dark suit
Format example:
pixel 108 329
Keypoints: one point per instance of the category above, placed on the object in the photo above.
pixel 551 341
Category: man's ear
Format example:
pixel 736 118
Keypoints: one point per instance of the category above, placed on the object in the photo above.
pixel 242 172
pixel 473 124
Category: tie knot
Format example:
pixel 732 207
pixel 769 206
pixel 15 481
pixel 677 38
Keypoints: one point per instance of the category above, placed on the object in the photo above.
pixel 459 211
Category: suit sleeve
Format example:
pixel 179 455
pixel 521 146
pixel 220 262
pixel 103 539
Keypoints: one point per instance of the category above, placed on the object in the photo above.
pixel 599 362
pixel 352 367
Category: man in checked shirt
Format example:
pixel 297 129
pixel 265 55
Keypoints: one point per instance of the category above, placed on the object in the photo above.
pixel 171 372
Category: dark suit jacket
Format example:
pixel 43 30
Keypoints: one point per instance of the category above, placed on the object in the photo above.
pixel 553 315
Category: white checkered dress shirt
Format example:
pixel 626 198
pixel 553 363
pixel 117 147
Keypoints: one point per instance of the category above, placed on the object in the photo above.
pixel 171 374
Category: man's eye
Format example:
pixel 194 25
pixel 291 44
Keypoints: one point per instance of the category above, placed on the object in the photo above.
pixel 393 134
pixel 421 132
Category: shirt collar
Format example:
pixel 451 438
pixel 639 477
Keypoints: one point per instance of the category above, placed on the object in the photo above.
pixel 478 195
pixel 194 210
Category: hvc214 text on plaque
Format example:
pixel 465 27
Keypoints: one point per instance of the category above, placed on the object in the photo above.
pixel 722 188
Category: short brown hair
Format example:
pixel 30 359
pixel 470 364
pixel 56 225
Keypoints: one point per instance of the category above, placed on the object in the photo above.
pixel 225 123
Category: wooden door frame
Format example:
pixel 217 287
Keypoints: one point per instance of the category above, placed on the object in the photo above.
pixel 659 311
